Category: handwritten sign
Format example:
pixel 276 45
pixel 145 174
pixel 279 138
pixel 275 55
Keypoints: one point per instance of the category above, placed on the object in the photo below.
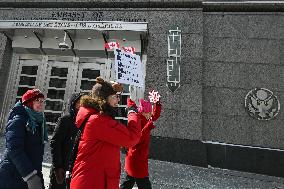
pixel 128 68
pixel 54 24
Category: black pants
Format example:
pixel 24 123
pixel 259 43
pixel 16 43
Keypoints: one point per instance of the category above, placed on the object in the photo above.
pixel 142 183
pixel 53 183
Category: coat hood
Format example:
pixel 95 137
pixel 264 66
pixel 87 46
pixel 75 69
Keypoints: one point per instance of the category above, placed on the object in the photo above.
pixel 18 109
pixel 88 102
pixel 72 104
pixel 88 106
pixel 101 106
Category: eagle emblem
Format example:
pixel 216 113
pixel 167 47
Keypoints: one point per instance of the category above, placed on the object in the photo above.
pixel 262 104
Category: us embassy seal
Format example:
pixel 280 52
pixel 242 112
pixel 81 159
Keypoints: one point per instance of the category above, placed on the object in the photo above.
pixel 262 104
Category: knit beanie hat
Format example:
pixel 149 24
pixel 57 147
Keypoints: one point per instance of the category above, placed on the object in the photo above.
pixel 103 89
pixel 144 106
pixel 30 96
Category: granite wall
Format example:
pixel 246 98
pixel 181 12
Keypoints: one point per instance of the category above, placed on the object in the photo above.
pixel 181 117
pixel 241 52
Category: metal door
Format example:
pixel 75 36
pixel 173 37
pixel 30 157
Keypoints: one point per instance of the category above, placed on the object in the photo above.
pixel 27 77
pixel 57 89
pixel 87 74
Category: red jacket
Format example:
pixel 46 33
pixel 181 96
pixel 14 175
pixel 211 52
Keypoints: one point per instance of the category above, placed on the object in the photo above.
pixel 136 160
pixel 97 165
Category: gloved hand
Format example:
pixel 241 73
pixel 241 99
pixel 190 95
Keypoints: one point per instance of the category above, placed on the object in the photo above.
pixel 151 125
pixel 158 102
pixel 34 182
pixel 68 179
pixel 59 175
pixel 131 106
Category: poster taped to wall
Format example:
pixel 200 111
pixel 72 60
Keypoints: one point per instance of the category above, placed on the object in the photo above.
pixel 128 68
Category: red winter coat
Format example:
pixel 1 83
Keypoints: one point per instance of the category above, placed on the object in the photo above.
pixel 97 165
pixel 136 160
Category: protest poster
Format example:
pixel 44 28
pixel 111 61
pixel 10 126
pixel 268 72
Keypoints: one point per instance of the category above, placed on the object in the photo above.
pixel 128 68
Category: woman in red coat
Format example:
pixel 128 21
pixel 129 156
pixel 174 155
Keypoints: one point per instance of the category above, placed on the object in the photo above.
pixel 136 160
pixel 97 165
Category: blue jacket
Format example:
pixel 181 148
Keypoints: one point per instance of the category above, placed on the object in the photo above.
pixel 23 153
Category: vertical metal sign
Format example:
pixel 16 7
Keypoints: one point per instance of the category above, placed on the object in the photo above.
pixel 174 59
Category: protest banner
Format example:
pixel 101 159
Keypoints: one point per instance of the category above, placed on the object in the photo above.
pixel 128 68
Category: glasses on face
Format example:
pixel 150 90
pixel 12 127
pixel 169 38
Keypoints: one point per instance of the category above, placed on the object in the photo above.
pixel 39 100
pixel 116 96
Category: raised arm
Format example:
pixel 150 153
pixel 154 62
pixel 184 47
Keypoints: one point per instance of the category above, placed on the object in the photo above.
pixel 156 111
pixel 114 132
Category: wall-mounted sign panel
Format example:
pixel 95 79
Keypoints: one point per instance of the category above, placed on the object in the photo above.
pixel 174 59
pixel 58 24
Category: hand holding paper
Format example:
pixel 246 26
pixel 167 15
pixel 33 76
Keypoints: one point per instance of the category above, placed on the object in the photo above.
pixel 154 96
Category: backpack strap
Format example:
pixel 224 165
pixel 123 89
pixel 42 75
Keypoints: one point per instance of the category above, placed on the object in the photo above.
pixel 74 151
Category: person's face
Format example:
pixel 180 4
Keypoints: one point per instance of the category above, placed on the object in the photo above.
pixel 77 105
pixel 38 104
pixel 113 100
pixel 147 115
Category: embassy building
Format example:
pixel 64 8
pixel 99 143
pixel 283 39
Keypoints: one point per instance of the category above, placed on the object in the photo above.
pixel 218 65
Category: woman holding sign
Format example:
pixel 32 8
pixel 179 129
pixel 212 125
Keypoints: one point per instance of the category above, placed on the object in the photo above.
pixel 97 164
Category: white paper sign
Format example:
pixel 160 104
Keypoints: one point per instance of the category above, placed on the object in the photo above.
pixel 128 68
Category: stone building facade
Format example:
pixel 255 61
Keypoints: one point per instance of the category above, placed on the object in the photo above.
pixel 227 50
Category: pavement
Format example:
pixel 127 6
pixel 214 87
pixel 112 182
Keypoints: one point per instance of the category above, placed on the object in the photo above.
pixel 168 175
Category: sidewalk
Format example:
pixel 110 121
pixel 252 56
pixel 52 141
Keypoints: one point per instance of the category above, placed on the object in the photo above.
pixel 167 175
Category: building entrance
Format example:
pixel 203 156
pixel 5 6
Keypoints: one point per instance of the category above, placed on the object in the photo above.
pixel 63 57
